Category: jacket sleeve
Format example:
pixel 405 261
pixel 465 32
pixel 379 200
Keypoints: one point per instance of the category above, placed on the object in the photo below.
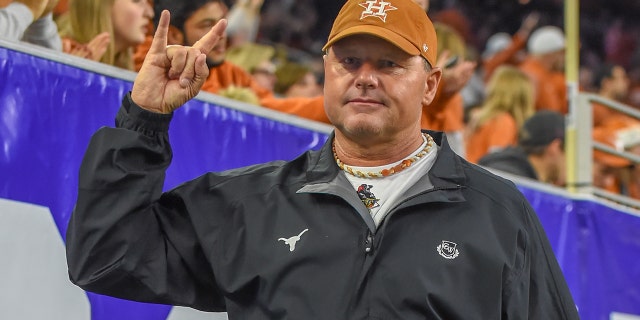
pixel 125 238
pixel 44 32
pixel 537 290
pixel 14 20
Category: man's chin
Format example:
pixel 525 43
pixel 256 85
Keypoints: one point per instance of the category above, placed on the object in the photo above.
pixel 362 129
pixel 216 58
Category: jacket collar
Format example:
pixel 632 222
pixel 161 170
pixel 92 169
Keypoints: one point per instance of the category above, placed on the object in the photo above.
pixel 447 171
pixel 446 178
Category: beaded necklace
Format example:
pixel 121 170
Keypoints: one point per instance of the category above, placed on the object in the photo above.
pixel 389 171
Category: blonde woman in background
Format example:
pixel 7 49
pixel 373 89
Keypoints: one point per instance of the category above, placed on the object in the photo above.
pixel 106 30
pixel 495 125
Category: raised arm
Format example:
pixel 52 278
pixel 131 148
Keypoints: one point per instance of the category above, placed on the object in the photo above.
pixel 126 238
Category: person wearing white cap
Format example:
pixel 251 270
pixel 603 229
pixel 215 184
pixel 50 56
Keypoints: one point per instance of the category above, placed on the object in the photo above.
pixel 502 48
pixel 545 65
pixel 384 222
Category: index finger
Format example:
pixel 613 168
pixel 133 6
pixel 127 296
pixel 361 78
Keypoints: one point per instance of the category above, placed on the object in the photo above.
pixel 159 42
pixel 209 40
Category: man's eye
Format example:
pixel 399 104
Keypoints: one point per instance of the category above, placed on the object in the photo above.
pixel 388 64
pixel 350 63
pixel 349 60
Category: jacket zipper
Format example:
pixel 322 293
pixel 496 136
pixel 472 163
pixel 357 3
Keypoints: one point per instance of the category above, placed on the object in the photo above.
pixel 368 244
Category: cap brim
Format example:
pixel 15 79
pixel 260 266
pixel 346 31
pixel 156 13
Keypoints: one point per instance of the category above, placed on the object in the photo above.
pixel 376 31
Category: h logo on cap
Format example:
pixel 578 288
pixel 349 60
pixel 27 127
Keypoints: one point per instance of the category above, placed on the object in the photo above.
pixel 376 8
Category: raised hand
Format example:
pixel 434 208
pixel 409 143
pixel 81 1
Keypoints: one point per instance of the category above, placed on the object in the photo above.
pixel 98 45
pixel 455 77
pixel 172 75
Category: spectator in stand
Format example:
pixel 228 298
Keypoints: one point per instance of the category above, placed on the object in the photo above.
pixel 502 48
pixel 509 103
pixel 30 21
pixel 545 65
pixel 617 130
pixel 539 154
pixel 107 30
pixel 264 74
pixel 257 59
pixel 614 173
pixel 612 83
pixel 296 80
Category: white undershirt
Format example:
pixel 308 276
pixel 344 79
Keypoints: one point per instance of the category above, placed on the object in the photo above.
pixel 387 190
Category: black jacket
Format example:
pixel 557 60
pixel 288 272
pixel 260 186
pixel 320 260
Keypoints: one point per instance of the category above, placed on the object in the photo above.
pixel 292 240
pixel 510 160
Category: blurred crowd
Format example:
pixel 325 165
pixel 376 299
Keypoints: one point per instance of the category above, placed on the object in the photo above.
pixel 503 95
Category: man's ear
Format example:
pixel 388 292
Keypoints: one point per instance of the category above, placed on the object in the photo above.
pixel 175 36
pixel 432 83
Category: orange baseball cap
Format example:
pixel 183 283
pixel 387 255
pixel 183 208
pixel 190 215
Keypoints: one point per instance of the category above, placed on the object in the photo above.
pixel 401 22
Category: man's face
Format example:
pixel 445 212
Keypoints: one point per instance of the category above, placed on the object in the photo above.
pixel 200 22
pixel 373 89
pixel 131 20
pixel 619 82
pixel 307 86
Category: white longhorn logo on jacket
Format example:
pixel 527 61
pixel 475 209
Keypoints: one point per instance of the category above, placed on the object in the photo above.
pixel 293 240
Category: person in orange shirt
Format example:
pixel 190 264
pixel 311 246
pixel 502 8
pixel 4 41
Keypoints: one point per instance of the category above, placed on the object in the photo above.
pixel 611 172
pixel 612 83
pixel 505 49
pixel 545 65
pixel 496 124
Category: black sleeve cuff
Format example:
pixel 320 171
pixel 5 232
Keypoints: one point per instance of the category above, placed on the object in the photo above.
pixel 133 117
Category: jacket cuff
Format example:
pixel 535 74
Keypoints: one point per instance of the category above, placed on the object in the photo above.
pixel 133 117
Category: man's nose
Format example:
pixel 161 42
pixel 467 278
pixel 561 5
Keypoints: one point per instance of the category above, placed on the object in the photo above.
pixel 366 77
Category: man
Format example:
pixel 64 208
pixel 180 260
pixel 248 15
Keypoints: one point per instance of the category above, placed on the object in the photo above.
pixel 545 66
pixel 612 82
pixel 431 237
pixel 30 21
pixel 540 151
